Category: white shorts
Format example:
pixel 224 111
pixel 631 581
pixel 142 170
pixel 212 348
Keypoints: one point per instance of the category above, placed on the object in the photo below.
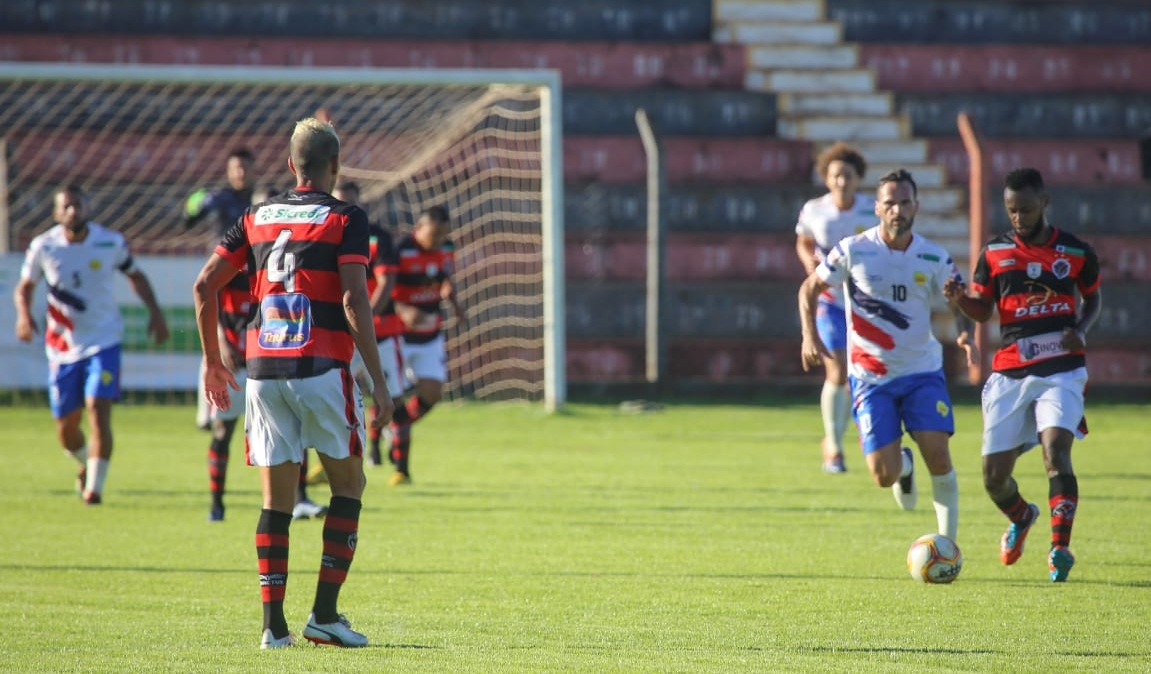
pixel 206 413
pixel 390 362
pixel 286 416
pixel 1015 411
pixel 426 361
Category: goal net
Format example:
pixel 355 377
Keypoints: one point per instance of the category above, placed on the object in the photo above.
pixel 485 144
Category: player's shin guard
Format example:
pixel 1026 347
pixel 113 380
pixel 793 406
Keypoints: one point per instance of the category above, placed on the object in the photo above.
pixel 340 529
pixel 945 496
pixel 272 555
pixel 401 446
pixel 1063 499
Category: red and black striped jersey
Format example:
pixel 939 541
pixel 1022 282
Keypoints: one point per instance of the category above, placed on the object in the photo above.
pixel 294 245
pixel 420 278
pixel 1034 288
pixel 382 251
pixel 236 309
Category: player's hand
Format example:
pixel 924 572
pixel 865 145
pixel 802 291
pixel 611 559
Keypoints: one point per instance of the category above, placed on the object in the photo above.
pixel 1073 340
pixel 954 290
pixel 26 328
pixel 217 380
pixel 813 352
pixel 969 349
pixel 158 327
pixel 383 407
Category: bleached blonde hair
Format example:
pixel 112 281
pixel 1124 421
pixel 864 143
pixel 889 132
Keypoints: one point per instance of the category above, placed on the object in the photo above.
pixel 313 146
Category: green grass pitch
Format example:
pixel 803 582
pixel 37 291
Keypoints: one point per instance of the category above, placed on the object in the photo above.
pixel 703 538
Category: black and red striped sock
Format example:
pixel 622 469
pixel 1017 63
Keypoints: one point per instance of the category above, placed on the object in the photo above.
pixel 340 531
pixel 1015 508
pixel 417 409
pixel 217 469
pixel 1063 499
pixel 401 446
pixel 272 555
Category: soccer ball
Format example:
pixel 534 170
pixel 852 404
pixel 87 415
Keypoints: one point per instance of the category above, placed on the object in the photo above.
pixel 934 558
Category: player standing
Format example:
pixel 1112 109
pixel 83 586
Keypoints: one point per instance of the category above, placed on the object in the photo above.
pixel 1035 392
pixel 307 253
pixel 891 278
pixel 823 222
pixel 388 326
pixel 79 259
pixel 426 261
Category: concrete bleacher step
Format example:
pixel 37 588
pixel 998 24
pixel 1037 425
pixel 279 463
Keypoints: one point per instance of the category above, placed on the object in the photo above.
pixel 795 56
pixel 845 80
pixel 902 151
pixel 842 127
pixel 926 175
pixel 945 200
pixel 810 32
pixel 879 103
pixel 767 10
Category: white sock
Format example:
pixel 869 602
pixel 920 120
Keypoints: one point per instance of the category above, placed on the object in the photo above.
pixel 97 473
pixel 907 464
pixel 842 404
pixel 80 455
pixel 945 492
pixel 830 413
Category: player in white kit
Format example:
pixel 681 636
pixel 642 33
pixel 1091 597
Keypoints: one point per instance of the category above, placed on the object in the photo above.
pixel 823 222
pixel 890 278
pixel 79 260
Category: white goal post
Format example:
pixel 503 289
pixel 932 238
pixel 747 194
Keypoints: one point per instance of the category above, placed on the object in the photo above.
pixel 485 143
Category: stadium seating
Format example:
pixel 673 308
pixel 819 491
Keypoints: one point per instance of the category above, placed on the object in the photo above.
pixel 737 90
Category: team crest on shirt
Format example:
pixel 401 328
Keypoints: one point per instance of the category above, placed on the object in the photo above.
pixel 1034 269
pixel 1061 268
pixel 95 264
pixel 920 278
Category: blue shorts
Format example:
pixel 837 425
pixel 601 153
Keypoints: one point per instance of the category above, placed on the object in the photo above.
pixel 831 324
pixel 96 376
pixel 915 402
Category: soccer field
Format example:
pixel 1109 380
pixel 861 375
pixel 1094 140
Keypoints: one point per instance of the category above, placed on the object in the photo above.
pixel 696 539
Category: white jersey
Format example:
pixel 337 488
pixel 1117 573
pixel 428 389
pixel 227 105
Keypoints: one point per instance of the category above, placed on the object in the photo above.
pixel 889 298
pixel 822 220
pixel 83 317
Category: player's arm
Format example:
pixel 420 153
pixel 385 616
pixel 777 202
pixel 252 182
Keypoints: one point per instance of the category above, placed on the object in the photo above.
pixel 965 339
pixel 448 292
pixel 1075 339
pixel 196 207
pixel 382 295
pixel 215 274
pixel 157 325
pixel 813 349
pixel 22 298
pixel 805 251
pixel 358 312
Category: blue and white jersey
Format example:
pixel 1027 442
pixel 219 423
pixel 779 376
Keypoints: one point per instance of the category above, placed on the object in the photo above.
pixel 890 294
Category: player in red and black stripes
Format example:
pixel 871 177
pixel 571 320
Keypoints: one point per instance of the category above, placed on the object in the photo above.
pixel 235 306
pixel 1035 276
pixel 426 262
pixel 308 254
pixel 387 325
